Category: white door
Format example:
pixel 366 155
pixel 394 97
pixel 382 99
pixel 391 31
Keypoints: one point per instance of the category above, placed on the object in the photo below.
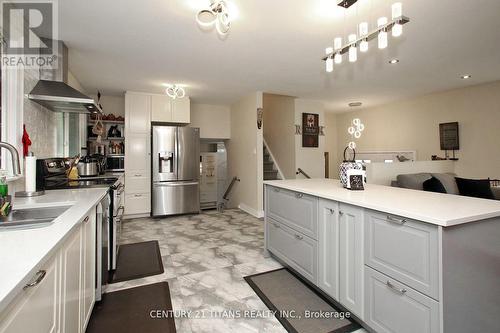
pixel 71 282
pixel 88 267
pixel 351 268
pixel 161 108
pixel 137 113
pixel 328 243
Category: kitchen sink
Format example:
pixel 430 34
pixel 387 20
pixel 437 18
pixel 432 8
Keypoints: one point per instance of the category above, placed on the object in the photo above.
pixel 31 217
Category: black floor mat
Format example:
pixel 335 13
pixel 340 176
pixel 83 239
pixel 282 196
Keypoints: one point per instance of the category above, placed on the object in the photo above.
pixel 138 260
pixel 145 309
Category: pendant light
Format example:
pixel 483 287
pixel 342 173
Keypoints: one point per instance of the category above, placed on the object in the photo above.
pixel 397 12
pixel 353 51
pixel 329 61
pixel 337 45
pixel 382 35
pixel 363 32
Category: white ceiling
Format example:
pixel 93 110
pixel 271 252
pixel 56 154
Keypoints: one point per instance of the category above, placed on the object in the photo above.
pixel 276 46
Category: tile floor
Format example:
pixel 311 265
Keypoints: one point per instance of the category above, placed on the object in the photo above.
pixel 205 258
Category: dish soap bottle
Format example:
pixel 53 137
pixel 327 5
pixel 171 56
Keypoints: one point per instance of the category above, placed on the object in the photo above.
pixel 4 187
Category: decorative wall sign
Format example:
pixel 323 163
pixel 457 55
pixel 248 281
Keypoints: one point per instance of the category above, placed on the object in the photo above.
pixel 310 130
pixel 260 114
pixel 448 134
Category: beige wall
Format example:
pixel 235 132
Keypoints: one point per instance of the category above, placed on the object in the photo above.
pixel 279 131
pixel 331 144
pixel 414 125
pixel 214 121
pixel 112 104
pixel 311 160
pixel 244 152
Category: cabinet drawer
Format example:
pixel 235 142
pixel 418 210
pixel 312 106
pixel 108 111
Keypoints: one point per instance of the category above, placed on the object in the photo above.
pixel 393 307
pixel 403 249
pixel 295 249
pixel 139 203
pixel 296 210
pixel 35 310
pixel 138 183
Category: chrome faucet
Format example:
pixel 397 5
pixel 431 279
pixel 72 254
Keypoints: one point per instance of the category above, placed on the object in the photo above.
pixel 16 166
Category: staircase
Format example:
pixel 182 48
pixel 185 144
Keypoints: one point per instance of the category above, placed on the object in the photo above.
pixel 270 172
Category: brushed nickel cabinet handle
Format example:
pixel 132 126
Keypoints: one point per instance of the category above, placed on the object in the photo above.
pixel 332 211
pixel 86 220
pixel 138 175
pixel 390 285
pixel 395 220
pixel 299 237
pixel 341 213
pixel 137 195
pixel 298 195
pixel 39 277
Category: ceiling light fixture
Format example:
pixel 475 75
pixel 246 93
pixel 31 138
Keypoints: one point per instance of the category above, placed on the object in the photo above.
pixel 217 14
pixel 394 61
pixel 174 91
pixel 465 77
pixel 380 33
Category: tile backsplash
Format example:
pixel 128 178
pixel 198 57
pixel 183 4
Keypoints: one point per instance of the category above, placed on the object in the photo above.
pixel 40 122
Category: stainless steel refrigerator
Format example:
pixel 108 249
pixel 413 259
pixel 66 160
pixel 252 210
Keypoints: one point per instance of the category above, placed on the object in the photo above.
pixel 175 170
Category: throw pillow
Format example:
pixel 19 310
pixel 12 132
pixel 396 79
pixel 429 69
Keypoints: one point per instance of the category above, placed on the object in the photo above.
pixel 448 181
pixel 434 185
pixel 478 188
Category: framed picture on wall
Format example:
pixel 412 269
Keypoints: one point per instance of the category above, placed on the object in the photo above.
pixel 310 130
pixel 448 135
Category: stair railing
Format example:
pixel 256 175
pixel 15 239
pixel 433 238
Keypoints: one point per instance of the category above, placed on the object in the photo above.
pixel 302 172
pixel 225 197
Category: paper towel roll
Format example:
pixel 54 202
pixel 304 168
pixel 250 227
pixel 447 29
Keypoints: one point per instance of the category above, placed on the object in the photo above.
pixel 30 173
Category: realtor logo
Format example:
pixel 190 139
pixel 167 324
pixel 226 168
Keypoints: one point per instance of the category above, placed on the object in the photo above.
pixel 28 31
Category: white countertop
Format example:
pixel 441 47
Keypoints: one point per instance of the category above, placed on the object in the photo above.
pixel 23 251
pixel 436 208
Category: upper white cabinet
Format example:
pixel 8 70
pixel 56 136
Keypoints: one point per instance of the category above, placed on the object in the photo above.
pixel 137 113
pixel 351 267
pixel 166 109
pixel 328 243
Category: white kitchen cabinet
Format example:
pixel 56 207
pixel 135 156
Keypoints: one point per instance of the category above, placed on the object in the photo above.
pixel 351 262
pixel 181 110
pixel 298 251
pixel 138 157
pixel 161 108
pixel 36 308
pixel 394 307
pixel 71 255
pixel 137 113
pixel 88 268
pixel 328 244
pixel 168 110
pixel 137 203
pixel 404 249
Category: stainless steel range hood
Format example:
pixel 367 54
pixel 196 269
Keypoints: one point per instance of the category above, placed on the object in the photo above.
pixel 53 92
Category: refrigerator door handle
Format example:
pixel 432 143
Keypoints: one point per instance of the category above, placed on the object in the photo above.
pixel 175 184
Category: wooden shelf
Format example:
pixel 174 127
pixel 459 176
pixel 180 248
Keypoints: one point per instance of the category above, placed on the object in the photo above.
pixel 111 122
pixel 106 139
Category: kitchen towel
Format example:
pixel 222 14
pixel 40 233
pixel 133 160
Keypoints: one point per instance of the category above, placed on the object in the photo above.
pixel 30 173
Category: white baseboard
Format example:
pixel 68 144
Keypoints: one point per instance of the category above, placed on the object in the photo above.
pixel 251 211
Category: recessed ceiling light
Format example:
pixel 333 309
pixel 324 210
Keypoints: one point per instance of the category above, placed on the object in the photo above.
pixel 355 104
pixel 393 61
pixel 466 76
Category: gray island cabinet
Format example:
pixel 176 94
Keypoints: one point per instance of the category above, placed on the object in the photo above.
pixel 399 260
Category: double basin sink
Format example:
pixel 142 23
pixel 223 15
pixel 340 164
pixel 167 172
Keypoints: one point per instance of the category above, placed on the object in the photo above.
pixel 31 217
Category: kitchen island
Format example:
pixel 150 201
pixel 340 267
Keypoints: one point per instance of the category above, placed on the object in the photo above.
pixel 48 272
pixel 400 260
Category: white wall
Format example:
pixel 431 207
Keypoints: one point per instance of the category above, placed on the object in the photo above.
pixel 214 121
pixel 279 131
pixel 112 104
pixel 414 125
pixel 311 160
pixel 244 152
pixel 331 144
